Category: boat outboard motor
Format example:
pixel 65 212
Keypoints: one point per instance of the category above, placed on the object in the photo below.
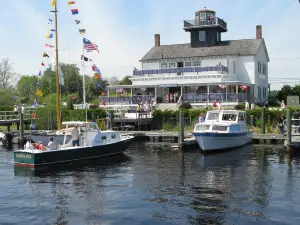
pixel 9 137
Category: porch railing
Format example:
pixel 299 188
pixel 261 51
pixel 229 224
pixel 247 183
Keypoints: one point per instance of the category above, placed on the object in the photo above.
pixel 191 98
pixel 199 98
pixel 125 99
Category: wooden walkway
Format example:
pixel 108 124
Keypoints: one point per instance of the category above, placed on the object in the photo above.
pixel 167 135
pixel 8 118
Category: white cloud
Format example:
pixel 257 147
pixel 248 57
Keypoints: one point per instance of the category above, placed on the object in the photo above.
pixel 122 44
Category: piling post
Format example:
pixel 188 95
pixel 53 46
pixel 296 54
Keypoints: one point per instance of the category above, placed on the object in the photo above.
pixel 181 130
pixel 263 127
pixel 111 119
pixel 251 120
pixel 21 128
pixel 288 127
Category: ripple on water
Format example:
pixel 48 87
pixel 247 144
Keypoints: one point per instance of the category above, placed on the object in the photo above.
pixel 157 186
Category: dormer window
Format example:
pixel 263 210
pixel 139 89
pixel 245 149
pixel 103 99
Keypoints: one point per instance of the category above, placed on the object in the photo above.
pixel 202 36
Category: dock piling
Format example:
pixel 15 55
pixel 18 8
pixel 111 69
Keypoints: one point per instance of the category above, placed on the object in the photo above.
pixel 181 130
pixel 21 128
pixel 288 127
pixel 111 115
pixel 263 128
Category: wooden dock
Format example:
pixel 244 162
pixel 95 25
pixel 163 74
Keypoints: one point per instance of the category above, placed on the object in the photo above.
pixel 189 139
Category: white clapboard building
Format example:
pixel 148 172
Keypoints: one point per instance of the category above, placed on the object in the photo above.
pixel 201 71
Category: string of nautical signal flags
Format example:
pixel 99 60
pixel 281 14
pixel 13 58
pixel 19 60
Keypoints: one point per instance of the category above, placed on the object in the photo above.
pixel 88 45
pixel 49 35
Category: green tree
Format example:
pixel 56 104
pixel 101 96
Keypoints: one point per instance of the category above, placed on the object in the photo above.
pixel 6 74
pixel 26 86
pixel 125 81
pixel 284 92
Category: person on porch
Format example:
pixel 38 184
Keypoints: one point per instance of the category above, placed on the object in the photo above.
pixel 215 104
pixel 171 97
pixel 167 98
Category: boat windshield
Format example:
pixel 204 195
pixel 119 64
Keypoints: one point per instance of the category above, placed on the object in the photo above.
pixel 229 117
pixel 219 128
pixel 212 116
pixel 90 127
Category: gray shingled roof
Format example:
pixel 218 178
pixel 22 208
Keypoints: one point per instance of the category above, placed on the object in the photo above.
pixel 234 47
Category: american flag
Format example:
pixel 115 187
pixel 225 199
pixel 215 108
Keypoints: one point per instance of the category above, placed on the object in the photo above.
pixel 89 46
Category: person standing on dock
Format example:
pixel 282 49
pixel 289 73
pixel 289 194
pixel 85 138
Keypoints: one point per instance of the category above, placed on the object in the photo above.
pixel 246 105
pixel 75 136
pixel 280 124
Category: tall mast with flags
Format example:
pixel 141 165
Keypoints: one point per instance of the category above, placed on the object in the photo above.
pixel 56 70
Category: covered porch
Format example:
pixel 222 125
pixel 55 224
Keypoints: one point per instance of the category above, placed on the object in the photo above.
pixel 198 93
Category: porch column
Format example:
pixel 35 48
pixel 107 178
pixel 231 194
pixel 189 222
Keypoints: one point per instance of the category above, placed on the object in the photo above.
pixel 108 92
pixel 237 92
pixel 207 93
pixel 130 96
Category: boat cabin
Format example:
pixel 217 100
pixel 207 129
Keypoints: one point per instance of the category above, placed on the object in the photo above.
pixel 226 116
pixel 90 134
pixel 223 121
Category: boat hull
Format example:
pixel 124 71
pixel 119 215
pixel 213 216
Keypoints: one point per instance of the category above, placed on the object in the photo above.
pixel 70 155
pixel 210 142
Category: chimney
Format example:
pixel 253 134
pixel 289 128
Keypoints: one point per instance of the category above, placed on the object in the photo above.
pixel 258 32
pixel 157 40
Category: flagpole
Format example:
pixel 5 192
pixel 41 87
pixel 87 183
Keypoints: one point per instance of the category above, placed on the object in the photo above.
pixel 83 84
pixel 56 72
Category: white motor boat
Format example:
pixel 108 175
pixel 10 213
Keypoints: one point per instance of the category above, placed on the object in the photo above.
pixel 222 130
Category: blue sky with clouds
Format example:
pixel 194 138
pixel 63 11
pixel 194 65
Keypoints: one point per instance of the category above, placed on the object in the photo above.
pixel 124 30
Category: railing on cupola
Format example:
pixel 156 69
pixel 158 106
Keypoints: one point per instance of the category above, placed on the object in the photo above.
pixel 205 22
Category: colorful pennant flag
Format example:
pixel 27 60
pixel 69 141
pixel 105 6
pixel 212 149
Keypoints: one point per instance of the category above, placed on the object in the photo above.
pixel 49 36
pixel 71 3
pixel 35 104
pixel 97 76
pixel 101 92
pixel 49 46
pixel 40 72
pixel 82 31
pixel 53 3
pixel 77 21
pixel 85 58
pixel 45 55
pixel 74 11
pixel 39 92
pixel 89 46
pixel 96 69
pixel 32 126
pixel 38 84
pixel 50 21
pixel 99 86
pixel 43 64
pixel 52 30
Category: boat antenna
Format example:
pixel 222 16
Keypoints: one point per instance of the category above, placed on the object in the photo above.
pixel 56 71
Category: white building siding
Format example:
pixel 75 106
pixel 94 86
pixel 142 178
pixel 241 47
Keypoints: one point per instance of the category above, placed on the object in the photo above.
pixel 246 69
pixel 150 66
pixel 261 77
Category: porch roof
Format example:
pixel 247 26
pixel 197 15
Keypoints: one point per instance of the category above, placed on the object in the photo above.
pixel 113 87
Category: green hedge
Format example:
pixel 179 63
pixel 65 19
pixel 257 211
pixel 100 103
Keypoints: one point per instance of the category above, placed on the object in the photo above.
pixel 270 115
pixel 46 117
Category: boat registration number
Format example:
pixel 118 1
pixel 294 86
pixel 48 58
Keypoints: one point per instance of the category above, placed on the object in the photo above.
pixel 23 156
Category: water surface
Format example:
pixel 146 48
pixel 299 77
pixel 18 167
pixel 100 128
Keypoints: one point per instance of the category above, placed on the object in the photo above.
pixel 153 184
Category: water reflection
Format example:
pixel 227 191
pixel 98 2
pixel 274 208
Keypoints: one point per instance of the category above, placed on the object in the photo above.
pixel 159 185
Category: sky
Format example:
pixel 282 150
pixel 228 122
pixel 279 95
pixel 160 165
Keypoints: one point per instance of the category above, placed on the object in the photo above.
pixel 124 31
